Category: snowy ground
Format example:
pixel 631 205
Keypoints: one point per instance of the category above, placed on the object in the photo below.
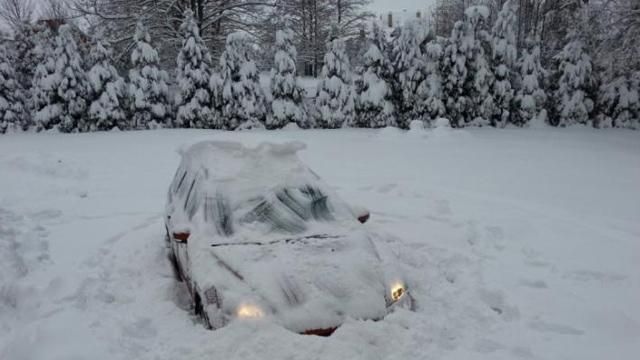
pixel 518 244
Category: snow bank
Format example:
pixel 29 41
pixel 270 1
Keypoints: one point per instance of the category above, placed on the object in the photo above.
pixel 417 128
pixel 390 132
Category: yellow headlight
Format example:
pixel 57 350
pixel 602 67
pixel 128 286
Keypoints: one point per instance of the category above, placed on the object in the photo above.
pixel 397 290
pixel 249 311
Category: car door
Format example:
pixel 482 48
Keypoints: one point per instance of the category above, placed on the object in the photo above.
pixel 183 202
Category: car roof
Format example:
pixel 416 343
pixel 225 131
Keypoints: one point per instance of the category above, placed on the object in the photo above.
pixel 241 169
pixel 235 176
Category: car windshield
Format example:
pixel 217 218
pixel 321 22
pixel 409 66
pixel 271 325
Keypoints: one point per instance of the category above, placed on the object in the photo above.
pixel 286 210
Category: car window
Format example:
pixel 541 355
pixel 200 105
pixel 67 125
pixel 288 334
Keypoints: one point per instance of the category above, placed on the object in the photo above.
pixel 289 209
pixel 192 199
pixel 218 212
pixel 178 179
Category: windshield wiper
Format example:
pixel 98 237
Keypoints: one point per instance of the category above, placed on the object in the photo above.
pixel 286 241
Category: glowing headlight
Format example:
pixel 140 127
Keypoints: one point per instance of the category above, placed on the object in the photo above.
pixel 249 311
pixel 397 290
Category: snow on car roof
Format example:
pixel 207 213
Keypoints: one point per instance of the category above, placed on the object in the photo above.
pixel 240 169
pixel 267 163
pixel 232 185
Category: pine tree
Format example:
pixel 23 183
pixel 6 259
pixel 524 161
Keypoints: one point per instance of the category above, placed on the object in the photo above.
pixel 429 93
pixel 356 46
pixel 573 98
pixel 148 91
pixel 242 98
pixel 374 106
pixel 335 94
pixel 378 38
pixel 286 91
pixel 531 97
pixel 455 65
pixel 620 102
pixel 409 67
pixel 27 37
pixel 43 90
pixel 479 77
pixel 217 102
pixel 107 91
pixel 504 58
pixel 390 75
pixel 13 114
pixel 61 92
pixel 634 89
pixel 193 100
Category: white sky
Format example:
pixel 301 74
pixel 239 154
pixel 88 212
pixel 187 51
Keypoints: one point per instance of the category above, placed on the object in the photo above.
pixel 380 6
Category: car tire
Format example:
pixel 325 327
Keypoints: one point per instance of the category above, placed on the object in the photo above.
pixel 200 311
pixel 214 317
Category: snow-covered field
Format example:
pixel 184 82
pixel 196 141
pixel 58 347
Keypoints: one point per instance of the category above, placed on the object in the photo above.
pixel 517 244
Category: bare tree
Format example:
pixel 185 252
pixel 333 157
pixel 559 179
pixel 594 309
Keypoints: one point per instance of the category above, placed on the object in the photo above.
pixel 216 19
pixel 55 10
pixel 17 12
pixel 350 15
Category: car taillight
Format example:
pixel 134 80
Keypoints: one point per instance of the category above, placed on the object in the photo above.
pixel 181 236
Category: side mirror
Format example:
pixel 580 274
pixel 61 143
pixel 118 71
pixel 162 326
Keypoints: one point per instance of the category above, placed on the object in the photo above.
pixel 181 237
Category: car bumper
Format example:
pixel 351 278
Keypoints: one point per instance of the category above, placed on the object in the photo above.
pixel 406 302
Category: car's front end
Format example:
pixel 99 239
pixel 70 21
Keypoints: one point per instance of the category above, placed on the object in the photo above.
pixel 309 283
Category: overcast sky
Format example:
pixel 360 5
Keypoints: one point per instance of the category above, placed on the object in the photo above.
pixel 399 5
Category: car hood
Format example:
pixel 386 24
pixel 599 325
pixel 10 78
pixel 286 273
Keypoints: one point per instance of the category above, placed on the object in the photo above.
pixel 308 281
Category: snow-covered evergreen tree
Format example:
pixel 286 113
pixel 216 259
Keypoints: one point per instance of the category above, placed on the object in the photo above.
pixel 531 97
pixel 148 91
pixel 193 100
pixel 216 89
pixel 243 104
pixel 40 92
pixel 573 99
pixel 504 58
pixel 27 57
pixel 409 67
pixel 374 106
pixel 620 102
pixel 455 64
pixel 286 91
pixel 377 36
pixel 107 92
pixel 480 78
pixel 13 115
pixel 429 92
pixel 634 89
pixel 390 75
pixel 335 94
pixel 60 86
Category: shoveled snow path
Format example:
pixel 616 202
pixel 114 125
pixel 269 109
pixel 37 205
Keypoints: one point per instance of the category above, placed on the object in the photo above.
pixel 517 244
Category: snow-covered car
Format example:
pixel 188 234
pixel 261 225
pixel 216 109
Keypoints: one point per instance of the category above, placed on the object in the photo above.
pixel 254 233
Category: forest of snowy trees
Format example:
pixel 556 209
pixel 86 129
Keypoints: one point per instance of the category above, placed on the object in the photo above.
pixel 144 64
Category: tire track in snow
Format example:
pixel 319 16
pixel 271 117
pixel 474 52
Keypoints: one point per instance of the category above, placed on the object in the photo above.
pixel 24 250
